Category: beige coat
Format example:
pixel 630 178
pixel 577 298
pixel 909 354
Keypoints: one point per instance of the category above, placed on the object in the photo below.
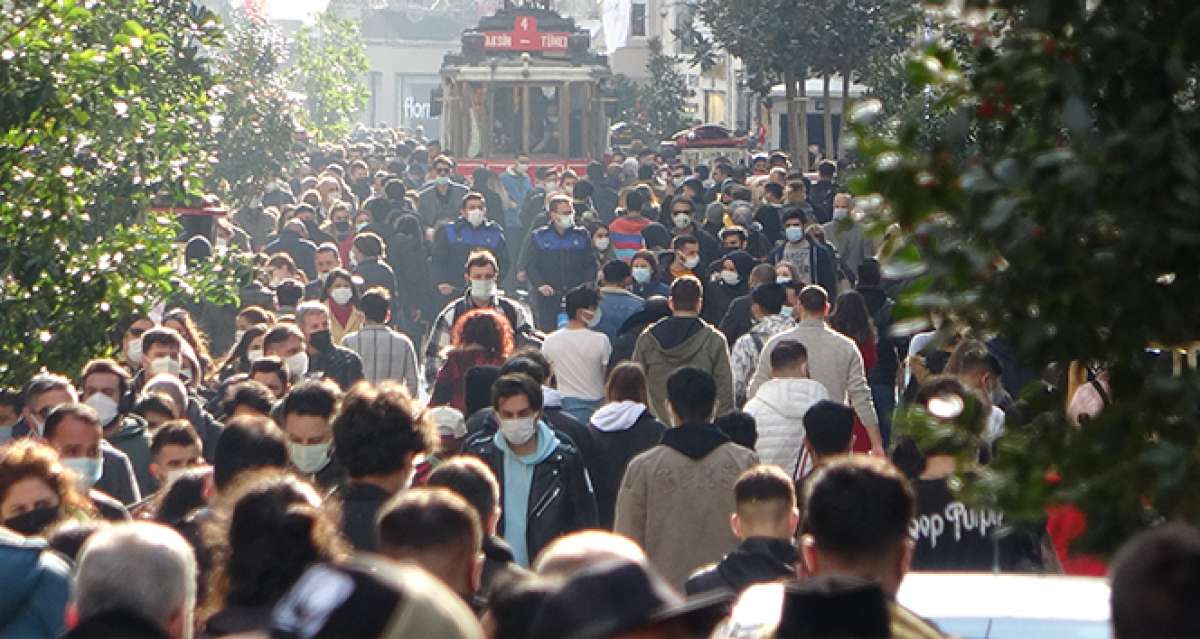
pixel 677 508
pixel 833 360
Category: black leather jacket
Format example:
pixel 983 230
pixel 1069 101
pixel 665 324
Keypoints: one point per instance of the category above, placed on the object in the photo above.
pixel 561 498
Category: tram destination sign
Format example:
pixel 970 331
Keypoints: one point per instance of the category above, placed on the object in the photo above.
pixel 525 37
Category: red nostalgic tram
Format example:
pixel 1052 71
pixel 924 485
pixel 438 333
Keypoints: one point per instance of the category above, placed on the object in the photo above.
pixel 525 82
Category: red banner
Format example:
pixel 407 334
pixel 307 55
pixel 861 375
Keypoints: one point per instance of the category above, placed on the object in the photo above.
pixel 525 37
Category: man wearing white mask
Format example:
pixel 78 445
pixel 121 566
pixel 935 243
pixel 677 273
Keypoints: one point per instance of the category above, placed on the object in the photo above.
pixel 73 430
pixel 482 272
pixel 105 389
pixel 454 242
pixel 579 354
pixel 557 257
pixel 438 200
pixel 287 342
pixel 847 235
pixel 131 341
pixel 306 416
pixel 545 490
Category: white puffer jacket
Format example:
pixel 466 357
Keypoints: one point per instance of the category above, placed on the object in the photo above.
pixel 778 409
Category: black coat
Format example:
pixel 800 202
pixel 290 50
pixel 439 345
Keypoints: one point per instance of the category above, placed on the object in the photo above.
pixel 301 250
pixel 737 321
pixel 755 560
pixel 360 504
pixel 612 452
pixel 408 256
pixel 339 364
pixel 483 424
pixel 605 199
pixel 561 500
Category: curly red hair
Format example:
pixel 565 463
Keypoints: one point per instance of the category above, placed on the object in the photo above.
pixel 486 327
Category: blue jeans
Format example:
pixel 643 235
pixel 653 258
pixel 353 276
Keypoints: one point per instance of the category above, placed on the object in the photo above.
pixel 580 409
pixel 884 396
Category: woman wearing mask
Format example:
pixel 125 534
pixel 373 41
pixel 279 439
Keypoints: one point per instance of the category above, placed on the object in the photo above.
pixel 131 340
pixel 727 284
pixel 601 244
pixel 248 348
pixel 341 298
pixel 621 429
pixel 180 320
pixel 36 491
pixel 851 318
pixel 339 228
pixel 265 535
pixel 646 279
pixel 482 337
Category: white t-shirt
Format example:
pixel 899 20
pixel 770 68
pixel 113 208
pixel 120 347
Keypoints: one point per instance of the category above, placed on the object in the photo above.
pixel 579 357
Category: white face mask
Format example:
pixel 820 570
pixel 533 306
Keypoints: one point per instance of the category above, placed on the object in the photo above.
pixel 550 186
pixel 682 220
pixel 730 277
pixel 518 431
pixel 692 261
pixel 594 319
pixel 483 289
pixel 786 311
pixel 793 233
pixel 309 458
pixel 361 225
pixel 297 365
pixel 641 274
pixel 341 295
pixel 237 336
pixel 133 352
pixel 105 407
pixel 254 353
pixel 841 214
pixel 564 222
pixel 602 243
pixel 783 279
pixel 475 217
pixel 88 469
pixel 166 365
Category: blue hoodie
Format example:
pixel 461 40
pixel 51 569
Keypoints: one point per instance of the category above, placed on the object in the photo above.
pixel 518 480
pixel 37 586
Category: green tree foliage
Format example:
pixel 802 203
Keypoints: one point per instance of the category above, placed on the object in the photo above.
pixel 1070 231
pixel 330 61
pixel 662 104
pixel 257 124
pixel 102 105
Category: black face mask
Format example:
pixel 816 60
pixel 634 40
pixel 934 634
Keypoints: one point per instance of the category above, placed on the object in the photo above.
pixel 321 340
pixel 32 522
pixel 342 226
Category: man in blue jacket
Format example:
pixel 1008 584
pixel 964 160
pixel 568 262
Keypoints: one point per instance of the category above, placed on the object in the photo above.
pixel 557 257
pixel 453 243
pixel 617 304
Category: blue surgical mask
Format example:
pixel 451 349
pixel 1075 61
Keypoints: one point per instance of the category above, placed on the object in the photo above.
pixel 794 233
pixel 88 469
pixel 786 311
pixel 641 274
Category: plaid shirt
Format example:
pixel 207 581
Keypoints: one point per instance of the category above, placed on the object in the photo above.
pixel 439 335
pixel 744 358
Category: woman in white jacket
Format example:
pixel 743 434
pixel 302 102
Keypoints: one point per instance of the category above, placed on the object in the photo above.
pixel 780 404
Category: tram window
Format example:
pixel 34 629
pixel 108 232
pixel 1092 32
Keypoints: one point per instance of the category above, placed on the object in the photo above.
pixel 578 106
pixel 507 120
pixel 544 109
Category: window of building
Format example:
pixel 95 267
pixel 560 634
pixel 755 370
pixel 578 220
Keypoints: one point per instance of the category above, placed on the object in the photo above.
pixel 637 19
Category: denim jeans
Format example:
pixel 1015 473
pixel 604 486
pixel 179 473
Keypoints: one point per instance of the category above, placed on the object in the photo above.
pixel 580 409
pixel 884 396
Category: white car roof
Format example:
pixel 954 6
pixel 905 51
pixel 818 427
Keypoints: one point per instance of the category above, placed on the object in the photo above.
pixel 998 596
